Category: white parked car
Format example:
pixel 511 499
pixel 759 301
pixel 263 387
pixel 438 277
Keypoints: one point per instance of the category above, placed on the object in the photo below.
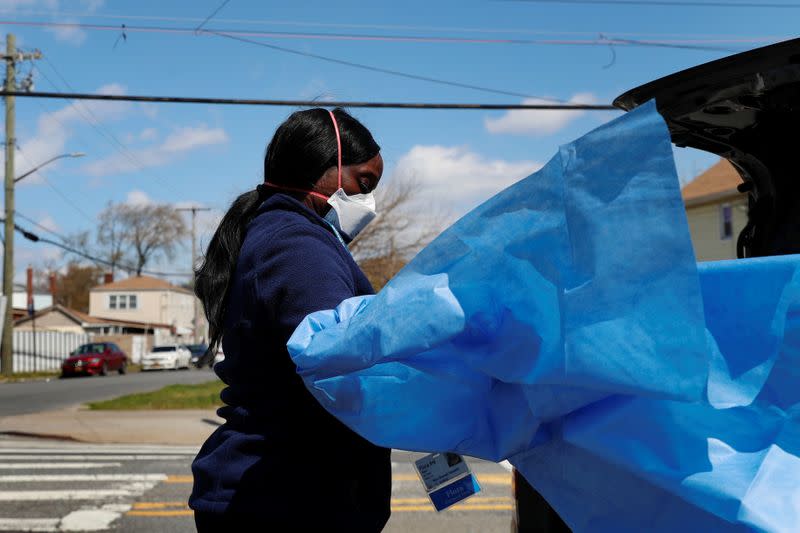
pixel 167 357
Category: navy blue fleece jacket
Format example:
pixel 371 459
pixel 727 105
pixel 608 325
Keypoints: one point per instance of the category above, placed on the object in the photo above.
pixel 279 452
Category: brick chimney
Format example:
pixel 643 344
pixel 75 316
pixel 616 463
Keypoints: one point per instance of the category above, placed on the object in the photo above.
pixel 108 277
pixel 53 286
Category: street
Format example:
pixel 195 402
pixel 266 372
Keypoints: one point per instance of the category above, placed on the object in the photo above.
pixel 60 486
pixel 35 396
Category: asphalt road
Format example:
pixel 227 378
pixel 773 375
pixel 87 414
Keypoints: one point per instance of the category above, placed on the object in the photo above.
pixel 58 486
pixel 35 396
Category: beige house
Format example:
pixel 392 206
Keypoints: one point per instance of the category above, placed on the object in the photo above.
pixel 148 300
pixel 717 212
pixel 133 337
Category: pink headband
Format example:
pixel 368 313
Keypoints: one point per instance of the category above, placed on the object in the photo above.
pixel 338 166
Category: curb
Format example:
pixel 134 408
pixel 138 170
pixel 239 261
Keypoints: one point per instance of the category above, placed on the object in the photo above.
pixel 46 436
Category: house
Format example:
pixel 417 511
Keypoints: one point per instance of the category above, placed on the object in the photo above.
pixel 133 337
pixel 19 304
pixel 716 211
pixel 148 300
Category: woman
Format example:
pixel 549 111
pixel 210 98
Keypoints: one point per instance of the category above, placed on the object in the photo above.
pixel 278 255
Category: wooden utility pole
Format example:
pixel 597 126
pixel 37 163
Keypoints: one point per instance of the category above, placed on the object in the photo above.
pixel 11 57
pixel 194 211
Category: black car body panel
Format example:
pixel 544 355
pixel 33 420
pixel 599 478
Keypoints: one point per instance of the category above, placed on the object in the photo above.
pixel 744 108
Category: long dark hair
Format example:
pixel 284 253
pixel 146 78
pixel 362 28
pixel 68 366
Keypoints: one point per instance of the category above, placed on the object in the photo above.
pixel 300 152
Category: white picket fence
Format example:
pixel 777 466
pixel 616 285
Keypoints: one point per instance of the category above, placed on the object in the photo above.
pixel 44 351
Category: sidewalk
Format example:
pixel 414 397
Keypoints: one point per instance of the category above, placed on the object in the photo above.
pixel 179 427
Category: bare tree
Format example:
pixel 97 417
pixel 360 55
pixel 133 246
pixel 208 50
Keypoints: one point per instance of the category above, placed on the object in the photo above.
pixel 150 231
pixel 112 236
pixel 404 225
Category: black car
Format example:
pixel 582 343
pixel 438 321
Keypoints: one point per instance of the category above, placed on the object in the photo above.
pixel 200 356
pixel 742 108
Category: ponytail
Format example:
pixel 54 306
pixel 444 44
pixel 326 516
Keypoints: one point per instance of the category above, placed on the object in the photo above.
pixel 214 275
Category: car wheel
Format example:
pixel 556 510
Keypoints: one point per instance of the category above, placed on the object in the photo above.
pixel 104 369
pixel 123 368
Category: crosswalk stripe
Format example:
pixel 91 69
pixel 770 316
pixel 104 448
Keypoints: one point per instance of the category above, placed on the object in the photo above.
pixel 29 524
pixel 37 495
pixel 104 449
pixel 75 457
pixel 55 466
pixel 39 478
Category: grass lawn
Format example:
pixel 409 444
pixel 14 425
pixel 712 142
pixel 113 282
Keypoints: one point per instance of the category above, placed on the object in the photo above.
pixel 26 376
pixel 200 396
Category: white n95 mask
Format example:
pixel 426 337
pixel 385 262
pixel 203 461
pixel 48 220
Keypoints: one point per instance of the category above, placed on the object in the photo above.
pixel 350 214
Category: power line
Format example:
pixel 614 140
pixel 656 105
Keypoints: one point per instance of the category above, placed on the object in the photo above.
pixel 97 125
pixel 211 16
pixel 305 103
pixel 63 196
pixel 371 68
pixel 33 237
pixel 330 36
pixel 667 3
pixel 393 27
pixel 43 228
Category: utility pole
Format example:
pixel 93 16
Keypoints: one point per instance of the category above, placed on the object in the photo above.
pixel 194 210
pixel 11 57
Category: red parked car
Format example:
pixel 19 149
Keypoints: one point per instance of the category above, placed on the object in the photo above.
pixel 95 358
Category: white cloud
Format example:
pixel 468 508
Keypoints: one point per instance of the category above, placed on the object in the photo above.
pixel 68 34
pixel 53 130
pixel 457 176
pixel 537 122
pixel 178 143
pixel 137 197
pixel 148 134
pixel 49 223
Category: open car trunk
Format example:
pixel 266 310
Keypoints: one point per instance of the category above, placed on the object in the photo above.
pixel 745 108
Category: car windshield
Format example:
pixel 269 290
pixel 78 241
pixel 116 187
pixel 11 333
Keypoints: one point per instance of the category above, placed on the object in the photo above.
pixel 165 348
pixel 197 348
pixel 90 348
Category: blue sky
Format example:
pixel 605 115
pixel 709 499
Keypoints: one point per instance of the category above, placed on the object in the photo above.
pixel 206 155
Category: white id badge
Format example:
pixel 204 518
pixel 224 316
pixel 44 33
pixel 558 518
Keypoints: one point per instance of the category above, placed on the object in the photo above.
pixel 447 479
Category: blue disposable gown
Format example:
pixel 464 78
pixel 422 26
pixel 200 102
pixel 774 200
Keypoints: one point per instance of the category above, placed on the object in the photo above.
pixel 565 325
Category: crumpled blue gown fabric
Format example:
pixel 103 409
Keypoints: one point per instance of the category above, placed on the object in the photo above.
pixel 565 325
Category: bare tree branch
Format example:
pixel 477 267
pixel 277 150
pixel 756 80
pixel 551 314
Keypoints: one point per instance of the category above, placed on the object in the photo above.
pixel 404 225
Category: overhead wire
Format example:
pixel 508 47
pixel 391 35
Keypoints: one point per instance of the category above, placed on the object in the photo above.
pixel 339 36
pixel 102 130
pixel 394 27
pixel 212 15
pixel 63 196
pixel 382 70
pixel 33 237
pixel 307 103
pixel 40 226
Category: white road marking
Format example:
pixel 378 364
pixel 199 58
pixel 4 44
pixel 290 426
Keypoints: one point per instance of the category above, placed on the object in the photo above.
pixel 102 450
pixel 92 519
pixel 29 524
pixel 55 466
pixel 69 457
pixel 39 478
pixel 134 489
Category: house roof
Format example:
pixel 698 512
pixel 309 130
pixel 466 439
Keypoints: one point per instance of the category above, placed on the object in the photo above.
pixel 717 183
pixel 84 319
pixel 140 283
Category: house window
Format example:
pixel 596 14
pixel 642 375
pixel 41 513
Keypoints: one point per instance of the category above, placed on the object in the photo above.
pixel 123 301
pixel 725 222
